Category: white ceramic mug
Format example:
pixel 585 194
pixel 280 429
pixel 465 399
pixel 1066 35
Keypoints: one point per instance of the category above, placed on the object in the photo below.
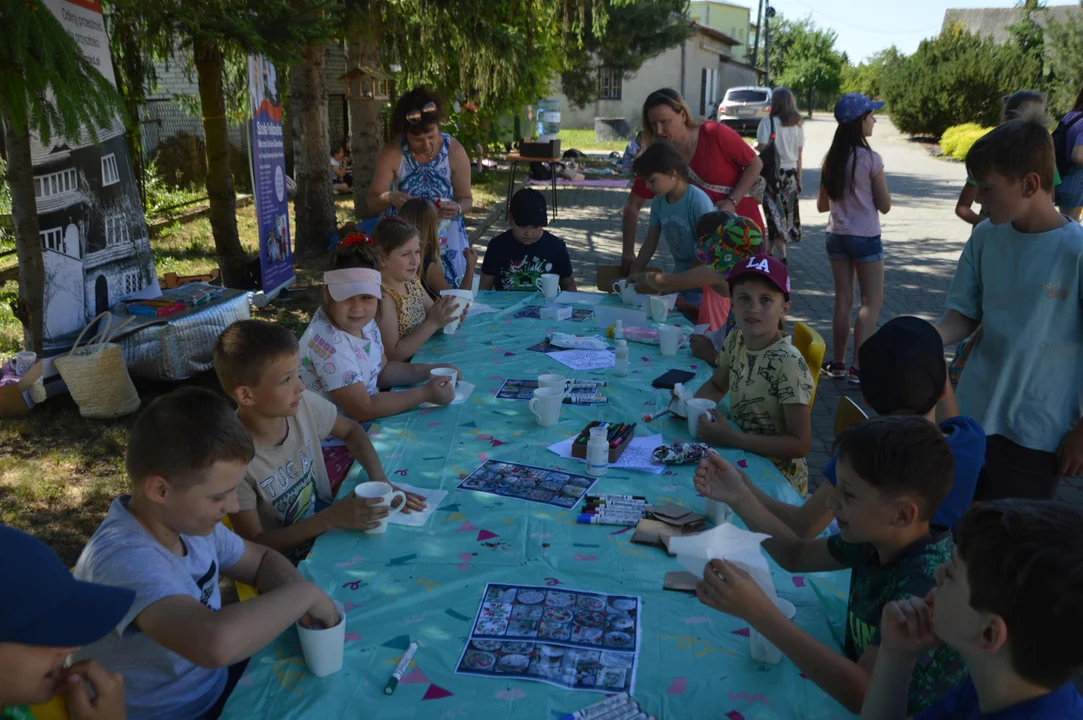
pixel 548 285
pixel 659 308
pixel 760 647
pixel 669 339
pixel 462 299
pixel 545 405
pixel 697 408
pixel 450 373
pixel 618 286
pixel 628 295
pixel 387 494
pixel 557 382
pixel 323 648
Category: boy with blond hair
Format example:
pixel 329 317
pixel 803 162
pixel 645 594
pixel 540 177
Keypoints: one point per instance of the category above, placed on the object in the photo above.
pixel 258 364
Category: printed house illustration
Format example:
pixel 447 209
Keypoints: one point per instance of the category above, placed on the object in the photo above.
pixel 94 239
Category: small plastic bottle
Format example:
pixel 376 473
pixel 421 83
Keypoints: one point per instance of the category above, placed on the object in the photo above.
pixel 620 360
pixel 618 330
pixel 597 452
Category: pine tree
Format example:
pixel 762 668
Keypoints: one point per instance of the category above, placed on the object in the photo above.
pixel 47 86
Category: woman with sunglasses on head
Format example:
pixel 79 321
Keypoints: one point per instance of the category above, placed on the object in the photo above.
pixel 719 162
pixel 423 162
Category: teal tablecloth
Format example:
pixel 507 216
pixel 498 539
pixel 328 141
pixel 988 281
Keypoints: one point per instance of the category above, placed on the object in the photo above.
pixel 425 584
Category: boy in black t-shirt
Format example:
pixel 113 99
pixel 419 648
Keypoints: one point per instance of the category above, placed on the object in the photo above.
pixel 516 258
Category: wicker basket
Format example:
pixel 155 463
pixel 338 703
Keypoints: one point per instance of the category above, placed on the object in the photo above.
pixel 96 375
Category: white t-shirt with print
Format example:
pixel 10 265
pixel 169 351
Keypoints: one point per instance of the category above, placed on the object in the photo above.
pixel 283 481
pixel 333 359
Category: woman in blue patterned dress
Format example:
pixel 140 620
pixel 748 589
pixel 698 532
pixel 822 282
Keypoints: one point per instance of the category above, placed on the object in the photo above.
pixel 420 161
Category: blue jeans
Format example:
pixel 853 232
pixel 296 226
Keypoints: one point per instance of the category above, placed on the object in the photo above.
pixel 854 248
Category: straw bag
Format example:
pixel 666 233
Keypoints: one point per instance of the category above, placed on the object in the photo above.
pixel 96 375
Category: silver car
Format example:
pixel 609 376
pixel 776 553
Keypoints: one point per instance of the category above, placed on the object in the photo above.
pixel 743 107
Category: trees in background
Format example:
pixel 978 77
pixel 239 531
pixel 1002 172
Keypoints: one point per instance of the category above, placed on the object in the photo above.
pixel 803 58
pixel 47 86
pixel 1065 41
pixel 867 77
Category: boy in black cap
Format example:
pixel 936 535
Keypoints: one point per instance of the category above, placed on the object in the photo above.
pixel 902 373
pixel 516 258
pixel 47 618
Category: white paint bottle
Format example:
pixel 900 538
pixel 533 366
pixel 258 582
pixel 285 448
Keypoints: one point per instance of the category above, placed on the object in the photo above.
pixel 597 452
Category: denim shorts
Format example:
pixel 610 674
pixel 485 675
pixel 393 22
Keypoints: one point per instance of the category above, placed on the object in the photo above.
pixel 854 248
pixel 1069 194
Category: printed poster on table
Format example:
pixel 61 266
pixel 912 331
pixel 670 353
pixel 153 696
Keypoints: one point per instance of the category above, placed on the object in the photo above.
pixel 269 174
pixel 93 234
pixel 569 638
pixel 525 482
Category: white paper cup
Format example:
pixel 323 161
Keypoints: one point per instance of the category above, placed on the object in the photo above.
pixel 24 360
pixel 323 649
pixel 384 491
pixel 548 285
pixel 697 408
pixel 475 285
pixel 450 373
pixel 557 382
pixel 545 405
pixel 718 513
pixel 462 298
pixel 759 647
pixel 659 308
pixel 669 339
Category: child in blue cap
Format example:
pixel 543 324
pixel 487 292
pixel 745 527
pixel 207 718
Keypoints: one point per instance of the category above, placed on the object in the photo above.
pixel 45 616
pixel 853 189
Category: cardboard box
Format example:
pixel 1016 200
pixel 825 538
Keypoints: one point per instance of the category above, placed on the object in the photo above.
pixel 667 521
pixel 579 450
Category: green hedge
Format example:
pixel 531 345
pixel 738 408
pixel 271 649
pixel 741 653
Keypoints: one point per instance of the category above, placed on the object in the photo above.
pixel 956 140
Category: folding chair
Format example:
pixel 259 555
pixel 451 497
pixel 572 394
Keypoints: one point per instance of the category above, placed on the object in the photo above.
pixel 812 348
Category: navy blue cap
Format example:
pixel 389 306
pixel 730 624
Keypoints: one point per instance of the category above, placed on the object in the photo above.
pixel 42 604
pixel 851 106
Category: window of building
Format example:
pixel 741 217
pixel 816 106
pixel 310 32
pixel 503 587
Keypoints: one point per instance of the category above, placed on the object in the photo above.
pixel 609 84
pixel 53 239
pixel 131 283
pixel 54 184
pixel 116 231
pixel 110 176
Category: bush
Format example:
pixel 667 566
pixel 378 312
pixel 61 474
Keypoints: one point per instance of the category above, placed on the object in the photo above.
pixel 956 140
pixel 954 79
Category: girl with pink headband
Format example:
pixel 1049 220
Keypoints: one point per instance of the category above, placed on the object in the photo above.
pixel 342 351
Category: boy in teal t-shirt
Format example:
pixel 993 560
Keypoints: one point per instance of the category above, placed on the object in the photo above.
pixel 1021 278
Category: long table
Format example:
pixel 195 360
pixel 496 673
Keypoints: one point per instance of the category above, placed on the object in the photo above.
pixel 425 584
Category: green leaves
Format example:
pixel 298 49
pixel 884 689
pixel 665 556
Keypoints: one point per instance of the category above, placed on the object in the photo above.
pixel 803 56
pixel 46 83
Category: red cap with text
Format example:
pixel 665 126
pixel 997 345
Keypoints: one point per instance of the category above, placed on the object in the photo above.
pixel 765 266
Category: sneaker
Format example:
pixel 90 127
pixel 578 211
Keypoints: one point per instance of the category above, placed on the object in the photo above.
pixel 854 376
pixel 834 370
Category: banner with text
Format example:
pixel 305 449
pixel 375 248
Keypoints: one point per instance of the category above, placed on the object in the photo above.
pixel 94 241
pixel 269 174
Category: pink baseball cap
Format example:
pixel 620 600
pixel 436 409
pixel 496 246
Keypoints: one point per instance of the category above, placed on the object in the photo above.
pixel 344 284
pixel 764 266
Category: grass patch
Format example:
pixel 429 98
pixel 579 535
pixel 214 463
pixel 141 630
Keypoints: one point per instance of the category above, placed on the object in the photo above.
pixel 584 140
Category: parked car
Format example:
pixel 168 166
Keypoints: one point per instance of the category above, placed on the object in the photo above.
pixel 743 107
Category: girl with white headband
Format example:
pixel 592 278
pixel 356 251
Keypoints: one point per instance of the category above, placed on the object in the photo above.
pixel 342 352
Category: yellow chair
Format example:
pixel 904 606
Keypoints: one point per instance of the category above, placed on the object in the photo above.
pixel 812 348
pixel 244 592
pixel 848 415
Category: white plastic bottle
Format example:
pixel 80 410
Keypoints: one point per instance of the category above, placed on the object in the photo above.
pixel 618 330
pixel 597 452
pixel 620 360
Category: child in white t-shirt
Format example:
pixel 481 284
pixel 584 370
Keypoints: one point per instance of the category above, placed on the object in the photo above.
pixel 342 353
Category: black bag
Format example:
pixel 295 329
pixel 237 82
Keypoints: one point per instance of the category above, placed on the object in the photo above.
pixel 771 171
pixel 1061 151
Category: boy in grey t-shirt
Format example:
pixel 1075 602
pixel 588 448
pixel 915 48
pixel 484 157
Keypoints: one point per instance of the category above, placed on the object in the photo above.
pixel 187 454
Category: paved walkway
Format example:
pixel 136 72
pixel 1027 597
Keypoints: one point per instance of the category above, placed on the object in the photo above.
pixel 922 240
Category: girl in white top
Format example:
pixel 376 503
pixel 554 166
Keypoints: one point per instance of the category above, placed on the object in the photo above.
pixel 780 204
pixel 342 352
